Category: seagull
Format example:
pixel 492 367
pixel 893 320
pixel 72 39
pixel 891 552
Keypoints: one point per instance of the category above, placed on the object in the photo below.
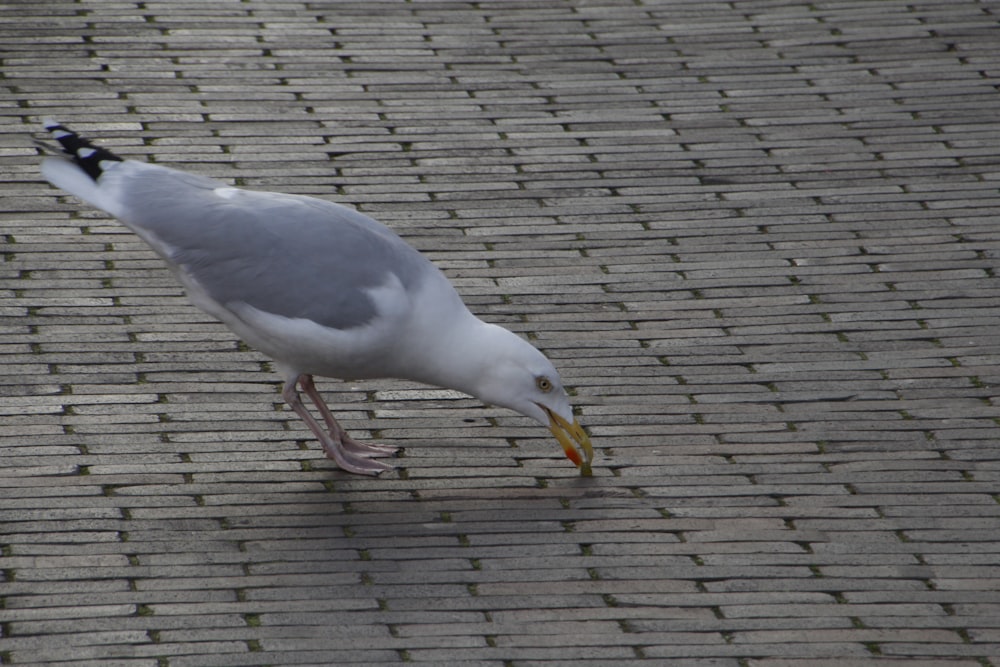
pixel 322 289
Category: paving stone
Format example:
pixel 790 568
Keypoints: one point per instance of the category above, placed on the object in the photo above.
pixel 758 238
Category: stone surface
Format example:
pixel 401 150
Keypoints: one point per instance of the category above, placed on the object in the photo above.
pixel 758 238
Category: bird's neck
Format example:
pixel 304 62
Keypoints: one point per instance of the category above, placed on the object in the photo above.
pixel 459 357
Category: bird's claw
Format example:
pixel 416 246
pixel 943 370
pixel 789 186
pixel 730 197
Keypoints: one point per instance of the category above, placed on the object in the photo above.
pixel 370 451
pixel 353 456
pixel 351 461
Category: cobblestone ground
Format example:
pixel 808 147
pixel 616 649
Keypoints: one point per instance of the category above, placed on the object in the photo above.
pixel 759 238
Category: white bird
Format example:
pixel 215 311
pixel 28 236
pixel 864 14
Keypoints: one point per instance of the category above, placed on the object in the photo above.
pixel 320 288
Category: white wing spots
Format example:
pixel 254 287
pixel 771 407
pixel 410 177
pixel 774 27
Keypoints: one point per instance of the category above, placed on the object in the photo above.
pixel 392 301
pixel 227 193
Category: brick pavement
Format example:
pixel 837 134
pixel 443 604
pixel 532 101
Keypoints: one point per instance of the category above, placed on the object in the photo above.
pixel 758 237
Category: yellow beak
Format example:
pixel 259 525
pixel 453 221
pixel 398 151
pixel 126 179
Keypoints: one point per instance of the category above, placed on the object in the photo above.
pixel 567 434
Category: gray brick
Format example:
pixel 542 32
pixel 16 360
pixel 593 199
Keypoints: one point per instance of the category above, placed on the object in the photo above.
pixel 759 242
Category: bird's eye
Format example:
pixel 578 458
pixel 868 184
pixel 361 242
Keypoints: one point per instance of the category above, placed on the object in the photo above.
pixel 544 384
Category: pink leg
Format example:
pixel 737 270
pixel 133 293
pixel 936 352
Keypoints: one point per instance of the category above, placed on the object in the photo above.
pixel 347 460
pixel 336 430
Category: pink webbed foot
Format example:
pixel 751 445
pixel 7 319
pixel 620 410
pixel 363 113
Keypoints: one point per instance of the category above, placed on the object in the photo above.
pixel 350 461
pixel 347 453
pixel 368 450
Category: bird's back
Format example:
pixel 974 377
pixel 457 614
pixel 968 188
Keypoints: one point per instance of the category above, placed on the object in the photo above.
pixel 288 255
pixel 319 287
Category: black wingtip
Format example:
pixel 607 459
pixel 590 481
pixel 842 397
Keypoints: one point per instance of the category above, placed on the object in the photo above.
pixel 88 156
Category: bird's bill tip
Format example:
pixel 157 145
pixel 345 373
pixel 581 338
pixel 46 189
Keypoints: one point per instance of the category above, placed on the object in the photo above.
pixel 574 441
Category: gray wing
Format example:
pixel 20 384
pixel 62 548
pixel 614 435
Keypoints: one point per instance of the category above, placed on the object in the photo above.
pixel 294 256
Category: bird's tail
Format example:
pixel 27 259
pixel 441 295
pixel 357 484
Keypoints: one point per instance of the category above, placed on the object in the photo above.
pixel 80 150
pixel 79 170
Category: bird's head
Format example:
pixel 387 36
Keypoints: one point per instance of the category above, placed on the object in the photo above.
pixel 521 378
